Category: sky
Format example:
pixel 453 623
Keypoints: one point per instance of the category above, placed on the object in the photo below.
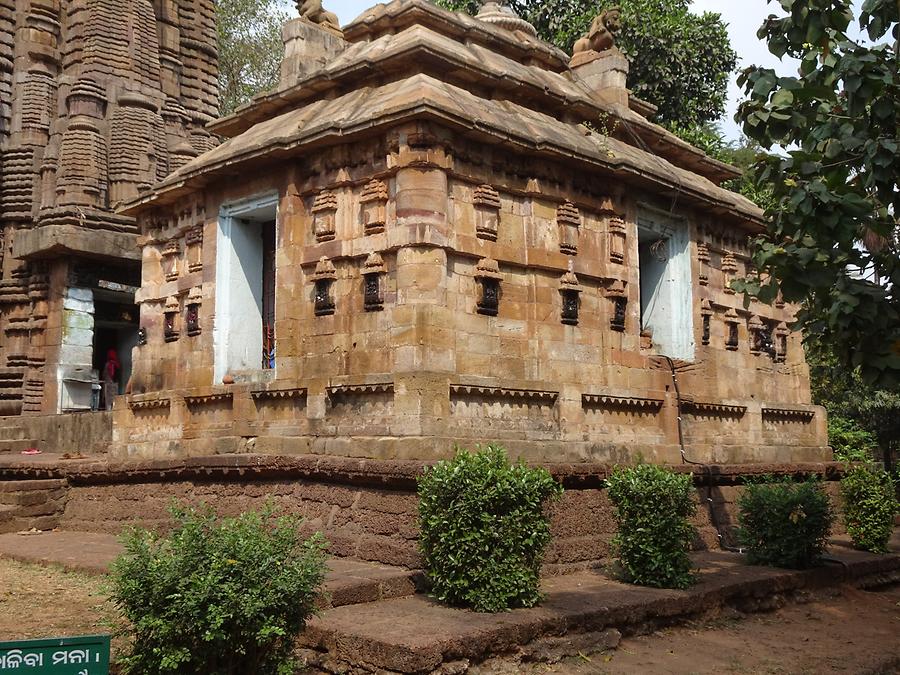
pixel 743 17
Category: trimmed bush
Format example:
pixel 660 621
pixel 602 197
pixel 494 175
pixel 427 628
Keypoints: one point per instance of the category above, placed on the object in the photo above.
pixel 484 530
pixel 784 524
pixel 870 504
pixel 652 509
pixel 225 597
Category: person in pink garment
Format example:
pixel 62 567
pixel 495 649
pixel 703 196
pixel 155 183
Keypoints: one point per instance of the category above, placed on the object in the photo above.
pixel 111 373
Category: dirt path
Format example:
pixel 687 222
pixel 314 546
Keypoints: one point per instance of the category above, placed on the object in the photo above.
pixel 844 631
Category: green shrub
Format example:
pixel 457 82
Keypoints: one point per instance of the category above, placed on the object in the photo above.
pixel 217 597
pixel 652 508
pixel 850 442
pixel 870 504
pixel 484 530
pixel 784 524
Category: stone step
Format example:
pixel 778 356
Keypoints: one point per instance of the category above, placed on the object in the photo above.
pixel 33 485
pixel 581 612
pixel 12 433
pixel 348 581
pixel 16 446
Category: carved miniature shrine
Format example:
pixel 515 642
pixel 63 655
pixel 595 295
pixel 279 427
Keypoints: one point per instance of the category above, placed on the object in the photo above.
pixel 440 230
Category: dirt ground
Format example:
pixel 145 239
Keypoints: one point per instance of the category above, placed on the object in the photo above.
pixel 845 630
pixel 39 602
pixel 842 631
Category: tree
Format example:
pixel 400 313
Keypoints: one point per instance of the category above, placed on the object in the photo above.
pixel 832 242
pixel 680 61
pixel 852 404
pixel 250 48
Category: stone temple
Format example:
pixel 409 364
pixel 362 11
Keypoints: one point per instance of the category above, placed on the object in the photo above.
pixel 99 100
pixel 439 230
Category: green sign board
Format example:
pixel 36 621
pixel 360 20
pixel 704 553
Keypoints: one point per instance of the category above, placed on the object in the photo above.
pixel 57 656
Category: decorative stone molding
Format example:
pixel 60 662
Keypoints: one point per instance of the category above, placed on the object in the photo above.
pixel 373 293
pixel 545 397
pixel 647 406
pixel 208 399
pixel 568 220
pixel 761 339
pixel 194 252
pixel 569 289
pixel 787 415
pixel 360 389
pixel 703 262
pixel 487 274
pixel 781 337
pixel 324 278
pixel 487 212
pixel 713 409
pixel 324 212
pixel 617 242
pixel 729 271
pixel 171 310
pixel 170 255
pixel 192 315
pixel 618 296
pixel 149 404
pixel 706 312
pixel 276 394
pixel 732 335
pixel 373 206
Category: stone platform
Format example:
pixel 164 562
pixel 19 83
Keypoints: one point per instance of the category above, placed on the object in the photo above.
pixel 583 612
pixel 366 508
pixel 347 581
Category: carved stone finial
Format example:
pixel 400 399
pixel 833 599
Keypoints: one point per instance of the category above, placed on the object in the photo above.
pixel 601 36
pixel 312 10
pixel 497 13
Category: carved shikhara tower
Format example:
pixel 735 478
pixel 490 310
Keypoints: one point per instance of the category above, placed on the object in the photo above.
pixel 99 99
pixel 440 231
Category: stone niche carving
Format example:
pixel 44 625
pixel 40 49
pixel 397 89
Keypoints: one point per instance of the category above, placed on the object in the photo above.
pixel 706 312
pixel 570 291
pixel 761 338
pixel 324 212
pixel 703 261
pixel 487 212
pixel 617 240
pixel 373 290
pixel 568 220
pixel 781 340
pixel 618 297
pixel 732 335
pixel 729 272
pixel 487 274
pixel 192 316
pixel 323 280
pixel 170 256
pixel 194 251
pixel 171 310
pixel 373 206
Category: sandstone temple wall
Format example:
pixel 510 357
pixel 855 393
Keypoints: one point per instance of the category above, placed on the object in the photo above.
pixel 417 360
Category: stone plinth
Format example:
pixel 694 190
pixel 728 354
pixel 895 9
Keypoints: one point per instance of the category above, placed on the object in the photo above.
pixel 605 73
pixel 307 47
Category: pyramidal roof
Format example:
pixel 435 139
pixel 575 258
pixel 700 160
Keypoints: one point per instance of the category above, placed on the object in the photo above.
pixel 487 76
